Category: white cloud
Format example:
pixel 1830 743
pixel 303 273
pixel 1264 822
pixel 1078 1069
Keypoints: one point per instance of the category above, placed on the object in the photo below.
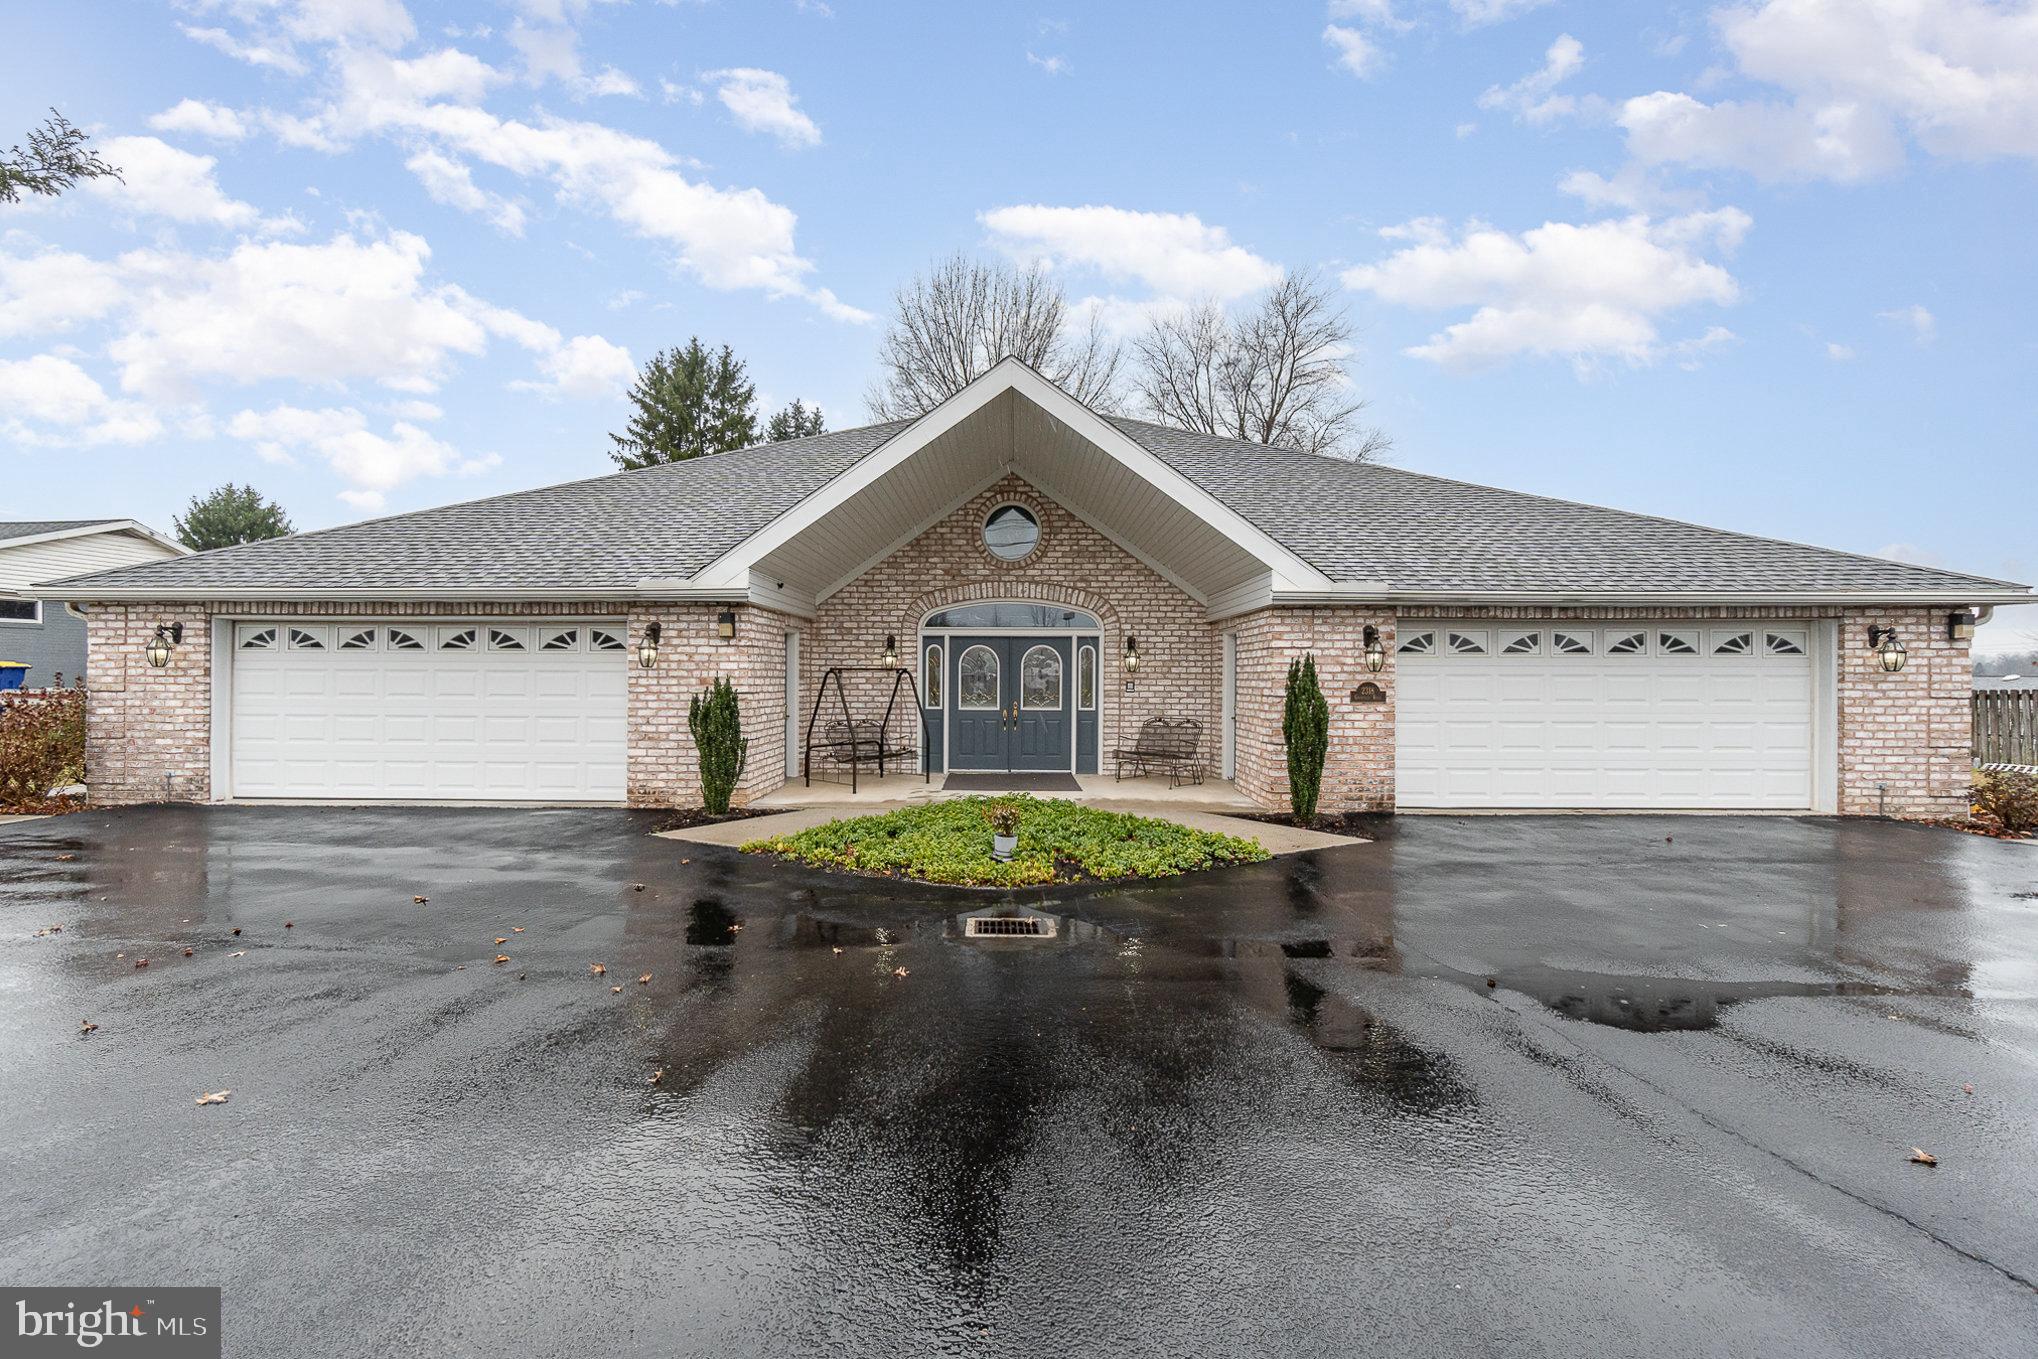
pixel 54 290
pixel 586 366
pixel 158 179
pixel 1533 98
pixel 371 464
pixel 1174 254
pixel 254 54
pixel 1839 353
pixel 763 101
pixel 330 313
pixel 451 183
pixel 1923 326
pixel 45 390
pixel 1354 51
pixel 1478 13
pixel 1588 292
pixel 554 54
pixel 1056 65
pixel 201 119
pixel 1379 13
pixel 1959 78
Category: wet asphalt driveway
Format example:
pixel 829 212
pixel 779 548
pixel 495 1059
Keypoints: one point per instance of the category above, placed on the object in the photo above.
pixel 1270 1110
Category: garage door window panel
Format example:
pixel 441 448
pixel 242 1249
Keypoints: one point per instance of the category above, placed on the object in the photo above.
pixel 253 637
pixel 1520 643
pixel 1733 644
pixel 357 639
pixel 307 639
pixel 561 639
pixel 1677 643
pixel 403 639
pixel 1467 643
pixel 1628 644
pixel 1419 644
pixel 1571 643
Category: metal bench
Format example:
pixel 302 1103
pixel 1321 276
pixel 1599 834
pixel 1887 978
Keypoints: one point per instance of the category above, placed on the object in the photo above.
pixel 1164 746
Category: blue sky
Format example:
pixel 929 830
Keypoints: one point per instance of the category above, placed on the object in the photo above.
pixel 1764 266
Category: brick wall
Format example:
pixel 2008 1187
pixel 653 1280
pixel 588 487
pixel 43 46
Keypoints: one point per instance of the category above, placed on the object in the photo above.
pixel 1905 740
pixel 664 764
pixel 1358 771
pixel 148 732
pixel 1180 663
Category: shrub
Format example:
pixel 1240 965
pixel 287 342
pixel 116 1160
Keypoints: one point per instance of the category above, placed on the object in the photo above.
pixel 1003 816
pixel 716 720
pixel 2010 797
pixel 950 842
pixel 42 745
pixel 1305 730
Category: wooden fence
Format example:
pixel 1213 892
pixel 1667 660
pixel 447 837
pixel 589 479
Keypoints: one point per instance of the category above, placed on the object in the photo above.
pixel 2006 726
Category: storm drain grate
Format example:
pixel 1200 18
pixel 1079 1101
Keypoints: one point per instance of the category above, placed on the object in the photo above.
pixel 1008 927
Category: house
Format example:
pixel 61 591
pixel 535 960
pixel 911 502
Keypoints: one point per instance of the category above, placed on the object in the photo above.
pixel 37 631
pixel 1049 578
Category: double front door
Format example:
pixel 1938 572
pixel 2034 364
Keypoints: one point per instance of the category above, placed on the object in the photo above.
pixel 1012 705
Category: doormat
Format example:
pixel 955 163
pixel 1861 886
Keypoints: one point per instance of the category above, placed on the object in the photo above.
pixel 1011 783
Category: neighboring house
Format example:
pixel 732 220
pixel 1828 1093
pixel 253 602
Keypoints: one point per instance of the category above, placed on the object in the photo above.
pixel 1016 551
pixel 38 630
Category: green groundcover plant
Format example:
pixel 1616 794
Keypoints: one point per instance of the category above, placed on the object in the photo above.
pixel 1059 841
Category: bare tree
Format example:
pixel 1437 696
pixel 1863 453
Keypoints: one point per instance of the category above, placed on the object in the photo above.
pixel 57 158
pixel 1275 375
pixel 961 317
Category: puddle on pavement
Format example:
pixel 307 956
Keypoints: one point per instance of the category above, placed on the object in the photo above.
pixel 1645 1004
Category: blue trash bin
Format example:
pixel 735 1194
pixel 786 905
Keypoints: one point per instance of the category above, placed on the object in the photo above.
pixel 12 673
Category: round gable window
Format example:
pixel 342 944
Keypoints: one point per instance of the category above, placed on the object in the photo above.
pixel 1011 532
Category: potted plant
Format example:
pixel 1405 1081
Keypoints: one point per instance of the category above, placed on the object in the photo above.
pixel 1004 819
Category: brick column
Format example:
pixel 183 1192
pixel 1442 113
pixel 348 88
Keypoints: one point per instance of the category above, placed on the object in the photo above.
pixel 664 765
pixel 1905 738
pixel 148 732
pixel 1358 771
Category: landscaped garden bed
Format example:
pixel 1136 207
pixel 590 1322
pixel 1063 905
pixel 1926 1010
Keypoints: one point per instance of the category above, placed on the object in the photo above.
pixel 1059 841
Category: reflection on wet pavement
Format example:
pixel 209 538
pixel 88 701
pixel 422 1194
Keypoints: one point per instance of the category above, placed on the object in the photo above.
pixel 1482 1085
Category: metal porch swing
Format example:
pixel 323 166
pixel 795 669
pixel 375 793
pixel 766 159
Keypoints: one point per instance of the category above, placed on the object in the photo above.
pixel 854 742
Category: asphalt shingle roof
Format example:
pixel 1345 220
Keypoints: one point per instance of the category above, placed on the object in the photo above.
pixel 11 529
pixel 1352 522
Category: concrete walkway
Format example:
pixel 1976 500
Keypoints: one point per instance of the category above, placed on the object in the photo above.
pixel 1275 839
pixel 10 818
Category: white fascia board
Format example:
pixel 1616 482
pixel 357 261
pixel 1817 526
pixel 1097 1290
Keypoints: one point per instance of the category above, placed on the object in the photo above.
pixel 1365 593
pixel 102 594
pixel 1010 374
pixel 128 526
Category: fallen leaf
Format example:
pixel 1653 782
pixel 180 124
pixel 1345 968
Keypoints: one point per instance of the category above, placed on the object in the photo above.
pixel 237 929
pixel 39 934
pixel 1923 1157
pixel 899 972
pixel 187 953
pixel 516 929
pixel 1967 1089
pixel 238 953
pixel 56 929
pixel 501 939
pixel 686 861
pixel 658 1077
pixel 735 927
pixel 420 900
pixel 86 1026
pixel 615 990
pixel 65 858
pixel 120 955
pixel 459 967
pixel 636 887
pixel 644 980
pixel 501 957
pixel 141 962
pixel 838 950
pixel 599 969
pixel 215 1097
pixel 290 924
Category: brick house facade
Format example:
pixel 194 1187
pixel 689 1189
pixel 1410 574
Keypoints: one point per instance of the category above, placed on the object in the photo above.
pixel 1218 557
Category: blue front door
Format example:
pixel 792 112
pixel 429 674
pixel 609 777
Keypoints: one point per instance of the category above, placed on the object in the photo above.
pixel 1011 703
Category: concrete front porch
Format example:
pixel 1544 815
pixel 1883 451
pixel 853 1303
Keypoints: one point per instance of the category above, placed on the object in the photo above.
pixel 1212 795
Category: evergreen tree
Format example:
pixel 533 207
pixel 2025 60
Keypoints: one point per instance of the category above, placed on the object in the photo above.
pixel 797 421
pixel 690 402
pixel 716 720
pixel 228 517
pixel 1305 730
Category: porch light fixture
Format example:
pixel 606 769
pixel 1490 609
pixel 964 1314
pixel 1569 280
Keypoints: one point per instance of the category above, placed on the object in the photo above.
pixel 1376 654
pixel 891 650
pixel 1131 653
pixel 167 636
pixel 725 625
pixel 647 645
pixel 1888 649
pixel 1960 626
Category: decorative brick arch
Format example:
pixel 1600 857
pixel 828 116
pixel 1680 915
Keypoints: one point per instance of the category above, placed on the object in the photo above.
pixel 1007 588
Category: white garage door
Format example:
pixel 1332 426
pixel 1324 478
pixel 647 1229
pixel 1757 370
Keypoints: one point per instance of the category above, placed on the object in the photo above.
pixel 1594 715
pixel 492 710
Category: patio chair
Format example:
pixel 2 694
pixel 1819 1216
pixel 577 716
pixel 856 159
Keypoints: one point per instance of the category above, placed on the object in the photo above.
pixel 1164 746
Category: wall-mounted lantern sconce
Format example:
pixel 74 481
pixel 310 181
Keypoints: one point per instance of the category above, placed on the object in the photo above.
pixel 1960 626
pixel 891 650
pixel 1131 654
pixel 1888 648
pixel 725 625
pixel 167 636
pixel 1376 654
pixel 647 645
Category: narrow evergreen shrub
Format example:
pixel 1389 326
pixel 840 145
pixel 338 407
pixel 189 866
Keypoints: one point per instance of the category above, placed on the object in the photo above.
pixel 1305 730
pixel 716 720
